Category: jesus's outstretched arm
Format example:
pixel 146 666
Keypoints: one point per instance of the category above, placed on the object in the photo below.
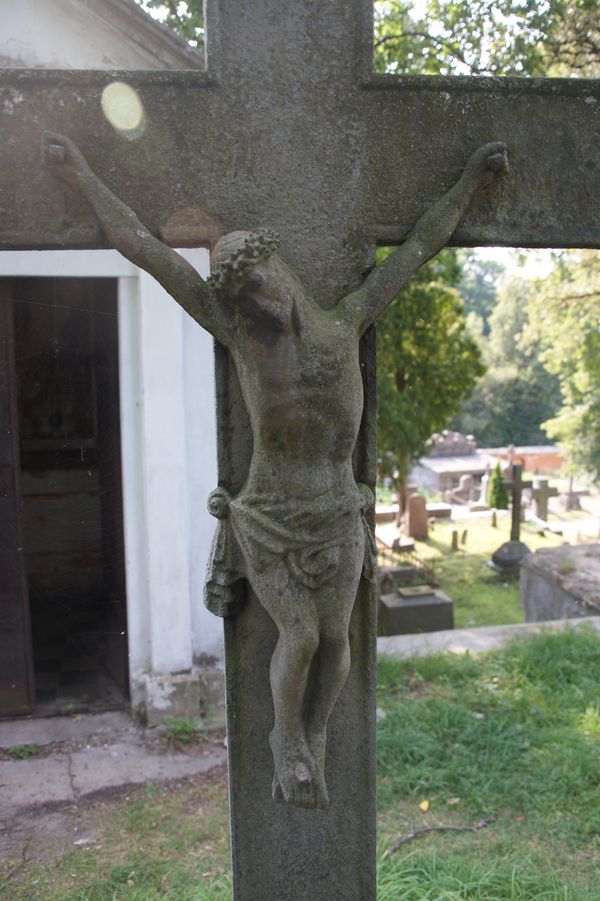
pixel 430 234
pixel 129 236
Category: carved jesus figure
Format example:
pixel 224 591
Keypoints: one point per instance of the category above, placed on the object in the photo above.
pixel 297 531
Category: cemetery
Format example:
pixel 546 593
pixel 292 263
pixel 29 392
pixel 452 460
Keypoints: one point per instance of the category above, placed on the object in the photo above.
pixel 299 451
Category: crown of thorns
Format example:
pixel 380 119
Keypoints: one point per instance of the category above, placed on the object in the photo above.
pixel 239 262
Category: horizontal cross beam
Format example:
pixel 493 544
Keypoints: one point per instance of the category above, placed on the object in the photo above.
pixel 427 126
pixel 356 169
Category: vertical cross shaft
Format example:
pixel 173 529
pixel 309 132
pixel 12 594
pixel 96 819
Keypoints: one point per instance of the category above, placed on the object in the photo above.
pixel 515 485
pixel 281 133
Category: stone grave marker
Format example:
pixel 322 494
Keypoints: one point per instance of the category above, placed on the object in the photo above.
pixel 561 583
pixel 417 525
pixel 508 557
pixel 290 128
pixel 419 608
pixel 466 488
pixel 541 493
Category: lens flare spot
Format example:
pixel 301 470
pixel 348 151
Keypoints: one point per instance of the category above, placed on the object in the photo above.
pixel 124 110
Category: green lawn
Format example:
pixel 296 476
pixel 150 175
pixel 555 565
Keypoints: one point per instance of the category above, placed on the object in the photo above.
pixel 481 597
pixel 514 734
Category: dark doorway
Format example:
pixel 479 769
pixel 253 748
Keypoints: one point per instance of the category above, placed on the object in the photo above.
pixel 65 334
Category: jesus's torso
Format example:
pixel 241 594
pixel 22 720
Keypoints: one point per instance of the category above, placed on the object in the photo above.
pixel 303 389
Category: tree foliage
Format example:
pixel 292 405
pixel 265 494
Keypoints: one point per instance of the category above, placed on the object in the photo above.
pixel 427 363
pixel 186 18
pixel 478 286
pixel 517 393
pixel 488 37
pixel 498 498
pixel 565 319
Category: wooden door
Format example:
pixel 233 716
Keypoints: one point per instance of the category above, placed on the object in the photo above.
pixel 106 370
pixel 16 670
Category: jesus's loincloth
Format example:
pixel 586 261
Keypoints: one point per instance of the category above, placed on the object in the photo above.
pixel 255 531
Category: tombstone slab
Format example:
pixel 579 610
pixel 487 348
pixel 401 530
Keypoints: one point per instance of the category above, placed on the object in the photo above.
pixel 561 583
pixel 417 609
pixel 417 526
pixel 541 494
pixel 509 557
pixel 389 576
pixel 439 510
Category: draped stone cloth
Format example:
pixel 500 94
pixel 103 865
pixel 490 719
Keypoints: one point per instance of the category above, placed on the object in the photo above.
pixel 254 531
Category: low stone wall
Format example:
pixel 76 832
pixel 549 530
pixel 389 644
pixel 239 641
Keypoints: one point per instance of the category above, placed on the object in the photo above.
pixel 561 583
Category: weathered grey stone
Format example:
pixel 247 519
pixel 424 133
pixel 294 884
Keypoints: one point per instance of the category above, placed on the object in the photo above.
pixel 390 576
pixel 541 494
pixel 342 134
pixel 509 557
pixel 176 695
pixel 418 609
pixel 439 510
pixel 515 483
pixel 416 518
pixel 299 531
pixel 560 583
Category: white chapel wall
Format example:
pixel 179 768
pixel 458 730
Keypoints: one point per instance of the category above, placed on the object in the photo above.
pixel 168 450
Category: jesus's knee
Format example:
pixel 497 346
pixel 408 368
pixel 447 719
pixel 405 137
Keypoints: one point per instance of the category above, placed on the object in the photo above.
pixel 300 637
pixel 336 646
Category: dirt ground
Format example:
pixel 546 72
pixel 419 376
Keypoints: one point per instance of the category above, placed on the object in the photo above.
pixel 46 833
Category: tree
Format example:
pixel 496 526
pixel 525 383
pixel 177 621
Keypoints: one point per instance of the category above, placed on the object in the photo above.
pixel 186 18
pixel 427 363
pixel 498 493
pixel 509 406
pixel 517 393
pixel 565 319
pixel 478 286
pixel 488 37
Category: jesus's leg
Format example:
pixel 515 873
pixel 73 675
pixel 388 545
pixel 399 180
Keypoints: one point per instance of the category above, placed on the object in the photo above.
pixel 332 662
pixel 292 608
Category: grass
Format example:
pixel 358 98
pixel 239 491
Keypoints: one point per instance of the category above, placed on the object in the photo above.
pixel 514 733
pixel 163 845
pixel 22 752
pixel 481 596
pixel 182 730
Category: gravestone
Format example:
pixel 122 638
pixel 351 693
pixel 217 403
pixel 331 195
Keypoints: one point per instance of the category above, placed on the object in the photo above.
pixel 416 518
pixel 439 510
pixel 509 556
pixel 290 128
pixel 561 583
pixel 484 494
pixel 480 504
pixel 390 576
pixel 419 608
pixel 541 494
pixel 466 487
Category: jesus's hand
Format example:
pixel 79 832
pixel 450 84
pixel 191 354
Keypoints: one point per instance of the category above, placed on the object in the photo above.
pixel 62 157
pixel 487 164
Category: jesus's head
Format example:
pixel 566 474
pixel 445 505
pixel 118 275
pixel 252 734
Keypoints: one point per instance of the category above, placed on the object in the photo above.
pixel 236 255
pixel 246 270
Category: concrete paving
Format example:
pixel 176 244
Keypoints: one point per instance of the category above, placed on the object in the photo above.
pixel 90 756
pixel 475 641
pixel 43 731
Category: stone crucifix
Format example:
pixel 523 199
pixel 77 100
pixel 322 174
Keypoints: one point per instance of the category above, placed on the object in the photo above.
pixel 515 484
pixel 290 128
pixel 298 530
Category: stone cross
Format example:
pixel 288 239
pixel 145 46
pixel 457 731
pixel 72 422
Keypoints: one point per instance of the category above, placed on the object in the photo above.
pixel 515 485
pixel 290 128
pixel 541 494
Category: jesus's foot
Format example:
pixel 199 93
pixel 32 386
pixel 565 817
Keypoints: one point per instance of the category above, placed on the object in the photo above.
pixel 297 780
pixel 316 742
